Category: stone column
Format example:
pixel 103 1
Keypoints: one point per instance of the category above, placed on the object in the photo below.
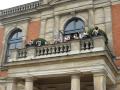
pixel 43 28
pixel 75 82
pixel 29 84
pixel 11 84
pixel 91 18
pixel 99 81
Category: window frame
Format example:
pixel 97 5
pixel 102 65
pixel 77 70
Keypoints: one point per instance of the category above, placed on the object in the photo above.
pixel 17 39
pixel 80 30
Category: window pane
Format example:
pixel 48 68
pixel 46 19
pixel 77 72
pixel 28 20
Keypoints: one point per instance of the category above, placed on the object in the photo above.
pixel 19 45
pixel 74 26
pixel 70 26
pixel 79 25
pixel 19 34
pixel 15 41
pixel 8 54
pixel 14 36
pixel 12 46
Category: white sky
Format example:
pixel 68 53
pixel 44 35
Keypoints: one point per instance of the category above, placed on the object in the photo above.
pixel 11 3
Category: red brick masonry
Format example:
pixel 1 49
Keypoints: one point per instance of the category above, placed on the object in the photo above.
pixel 33 30
pixel 116 31
pixel 3 73
pixel 1 37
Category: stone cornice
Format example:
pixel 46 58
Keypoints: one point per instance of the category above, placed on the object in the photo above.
pixel 54 2
pixel 39 5
pixel 115 2
pixel 20 8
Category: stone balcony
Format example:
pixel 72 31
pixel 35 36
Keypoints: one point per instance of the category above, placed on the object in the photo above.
pixel 74 47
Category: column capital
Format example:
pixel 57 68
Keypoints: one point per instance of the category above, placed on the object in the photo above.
pixel 99 73
pixel 75 74
pixel 11 79
pixel 43 18
pixel 57 16
pixel 29 79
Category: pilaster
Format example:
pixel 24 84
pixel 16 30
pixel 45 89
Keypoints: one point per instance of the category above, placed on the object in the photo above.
pixel 57 22
pixel 91 18
pixel 43 28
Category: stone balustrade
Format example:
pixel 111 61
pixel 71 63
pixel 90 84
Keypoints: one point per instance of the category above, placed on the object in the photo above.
pixel 86 44
pixel 22 53
pixel 61 49
pixel 53 49
pixel 21 8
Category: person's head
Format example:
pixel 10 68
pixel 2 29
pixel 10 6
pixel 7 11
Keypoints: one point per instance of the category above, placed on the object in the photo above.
pixel 96 28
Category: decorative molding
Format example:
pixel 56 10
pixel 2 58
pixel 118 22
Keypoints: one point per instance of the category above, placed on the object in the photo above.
pixel 15 20
pixel 53 2
pixel 115 2
pixel 58 71
pixel 38 5
pixel 20 8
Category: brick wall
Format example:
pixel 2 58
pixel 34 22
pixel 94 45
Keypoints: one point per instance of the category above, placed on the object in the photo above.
pixel 1 37
pixel 3 73
pixel 33 30
pixel 2 30
pixel 116 31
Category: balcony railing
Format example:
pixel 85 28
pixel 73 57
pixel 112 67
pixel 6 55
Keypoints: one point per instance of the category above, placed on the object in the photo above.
pixel 61 49
pixel 53 49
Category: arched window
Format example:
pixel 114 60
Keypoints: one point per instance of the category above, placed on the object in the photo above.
pixel 74 25
pixel 14 41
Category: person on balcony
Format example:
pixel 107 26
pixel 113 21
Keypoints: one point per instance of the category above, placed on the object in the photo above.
pixel 56 41
pixel 67 38
pixel 96 31
pixel 85 35
pixel 80 35
pixel 76 36
pixel 29 44
pixel 38 43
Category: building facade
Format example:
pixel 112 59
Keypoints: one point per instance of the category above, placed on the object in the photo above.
pixel 65 56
